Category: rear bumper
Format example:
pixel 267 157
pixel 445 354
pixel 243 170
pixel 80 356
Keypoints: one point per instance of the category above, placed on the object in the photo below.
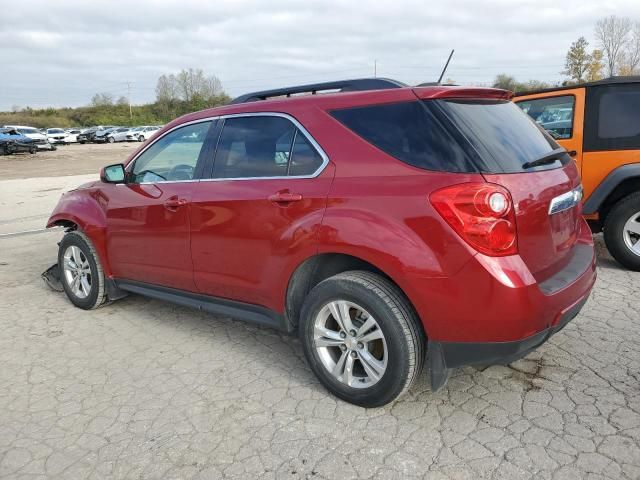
pixel 443 356
pixel 494 310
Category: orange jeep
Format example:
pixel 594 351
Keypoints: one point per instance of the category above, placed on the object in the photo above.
pixel 599 124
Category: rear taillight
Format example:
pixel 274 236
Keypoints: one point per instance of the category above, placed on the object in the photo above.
pixel 482 214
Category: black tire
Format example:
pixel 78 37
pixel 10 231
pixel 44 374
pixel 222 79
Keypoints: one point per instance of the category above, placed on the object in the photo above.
pixel 396 318
pixel 614 236
pixel 53 148
pixel 141 138
pixel 111 139
pixel 82 142
pixel 32 150
pixel 97 294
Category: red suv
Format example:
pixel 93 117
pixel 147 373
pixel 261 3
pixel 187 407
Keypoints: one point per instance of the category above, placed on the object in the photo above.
pixel 385 224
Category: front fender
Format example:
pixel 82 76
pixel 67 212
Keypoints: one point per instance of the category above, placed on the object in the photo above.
pixel 85 208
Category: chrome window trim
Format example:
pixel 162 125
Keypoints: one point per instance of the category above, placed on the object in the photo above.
pixel 298 125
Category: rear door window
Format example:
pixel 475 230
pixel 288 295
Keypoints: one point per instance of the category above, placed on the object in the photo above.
pixel 554 114
pixel 264 146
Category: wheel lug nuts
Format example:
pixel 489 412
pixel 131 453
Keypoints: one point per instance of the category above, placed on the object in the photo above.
pixel 343 347
pixel 352 333
pixel 360 345
pixel 343 335
pixel 354 354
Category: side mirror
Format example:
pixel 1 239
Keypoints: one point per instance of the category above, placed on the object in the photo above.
pixel 113 173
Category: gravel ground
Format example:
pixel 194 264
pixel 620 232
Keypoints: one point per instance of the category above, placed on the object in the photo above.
pixel 145 389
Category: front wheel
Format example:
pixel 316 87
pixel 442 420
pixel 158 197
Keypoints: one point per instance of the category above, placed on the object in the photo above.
pixel 622 231
pixel 82 276
pixel 111 140
pixel 362 338
pixel 141 138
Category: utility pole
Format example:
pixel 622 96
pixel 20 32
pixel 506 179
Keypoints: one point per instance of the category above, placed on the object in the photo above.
pixel 375 68
pixel 129 98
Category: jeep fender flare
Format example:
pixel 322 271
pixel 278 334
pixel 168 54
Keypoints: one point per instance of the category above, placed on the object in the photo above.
pixel 608 185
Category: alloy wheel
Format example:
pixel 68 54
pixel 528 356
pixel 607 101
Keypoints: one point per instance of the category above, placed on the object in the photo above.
pixel 77 271
pixel 350 344
pixel 631 233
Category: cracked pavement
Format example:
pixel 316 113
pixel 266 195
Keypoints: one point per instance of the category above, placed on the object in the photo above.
pixel 145 389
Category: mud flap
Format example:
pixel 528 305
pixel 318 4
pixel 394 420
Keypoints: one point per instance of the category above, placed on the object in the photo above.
pixel 439 373
pixel 51 277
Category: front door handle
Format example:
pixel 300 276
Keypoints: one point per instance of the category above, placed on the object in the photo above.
pixel 285 197
pixel 173 203
pixel 572 153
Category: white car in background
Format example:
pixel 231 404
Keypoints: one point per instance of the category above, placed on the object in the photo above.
pixel 72 134
pixel 141 133
pixel 56 136
pixel 118 135
pixel 41 140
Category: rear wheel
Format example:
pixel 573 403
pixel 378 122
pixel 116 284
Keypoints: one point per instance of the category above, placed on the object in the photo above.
pixel 622 231
pixel 362 338
pixel 81 273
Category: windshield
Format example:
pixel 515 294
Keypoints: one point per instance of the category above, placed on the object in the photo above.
pixel 55 130
pixel 502 134
pixel 27 130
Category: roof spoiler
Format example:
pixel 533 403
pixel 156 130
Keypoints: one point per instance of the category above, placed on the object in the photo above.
pixel 357 85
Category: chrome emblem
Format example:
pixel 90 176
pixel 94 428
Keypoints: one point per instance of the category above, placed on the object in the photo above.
pixel 565 201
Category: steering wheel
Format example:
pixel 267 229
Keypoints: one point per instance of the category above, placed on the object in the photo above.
pixel 181 172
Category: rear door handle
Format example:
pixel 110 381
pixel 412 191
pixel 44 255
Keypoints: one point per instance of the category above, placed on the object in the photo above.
pixel 285 197
pixel 173 203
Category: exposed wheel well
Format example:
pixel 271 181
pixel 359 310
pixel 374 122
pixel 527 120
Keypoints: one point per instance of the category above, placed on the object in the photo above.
pixel 67 224
pixel 316 269
pixel 624 188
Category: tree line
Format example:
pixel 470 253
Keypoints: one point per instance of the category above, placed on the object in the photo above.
pixel 617 52
pixel 176 94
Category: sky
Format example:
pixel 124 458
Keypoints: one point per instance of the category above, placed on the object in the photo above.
pixel 62 53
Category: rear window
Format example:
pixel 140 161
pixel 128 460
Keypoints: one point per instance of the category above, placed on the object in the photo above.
pixel 452 135
pixel 504 136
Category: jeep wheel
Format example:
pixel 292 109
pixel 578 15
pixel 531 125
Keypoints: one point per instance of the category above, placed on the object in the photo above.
pixel 82 276
pixel 622 231
pixel 362 338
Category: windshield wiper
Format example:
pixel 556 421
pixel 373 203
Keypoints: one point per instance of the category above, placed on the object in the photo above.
pixel 557 154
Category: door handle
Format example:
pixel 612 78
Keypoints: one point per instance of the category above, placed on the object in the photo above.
pixel 173 203
pixel 572 153
pixel 285 197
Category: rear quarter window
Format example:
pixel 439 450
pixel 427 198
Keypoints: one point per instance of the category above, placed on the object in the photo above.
pixel 409 132
pixel 612 120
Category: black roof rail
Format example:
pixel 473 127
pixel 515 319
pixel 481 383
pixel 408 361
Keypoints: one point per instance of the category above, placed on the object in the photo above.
pixel 356 85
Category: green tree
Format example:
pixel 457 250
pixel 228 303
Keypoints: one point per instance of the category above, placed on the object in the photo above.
pixel 506 82
pixel 577 60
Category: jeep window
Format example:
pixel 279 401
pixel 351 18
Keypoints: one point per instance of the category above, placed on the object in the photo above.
pixel 554 114
pixel 263 146
pixel 172 157
pixel 409 132
pixel 619 114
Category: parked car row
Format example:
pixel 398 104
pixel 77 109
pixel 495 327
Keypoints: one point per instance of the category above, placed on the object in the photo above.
pixel 50 138
pixel 112 134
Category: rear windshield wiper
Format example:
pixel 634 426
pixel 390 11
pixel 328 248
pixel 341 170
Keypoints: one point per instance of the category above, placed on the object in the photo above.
pixel 557 154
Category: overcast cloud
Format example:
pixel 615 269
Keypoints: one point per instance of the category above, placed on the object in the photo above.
pixel 61 53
